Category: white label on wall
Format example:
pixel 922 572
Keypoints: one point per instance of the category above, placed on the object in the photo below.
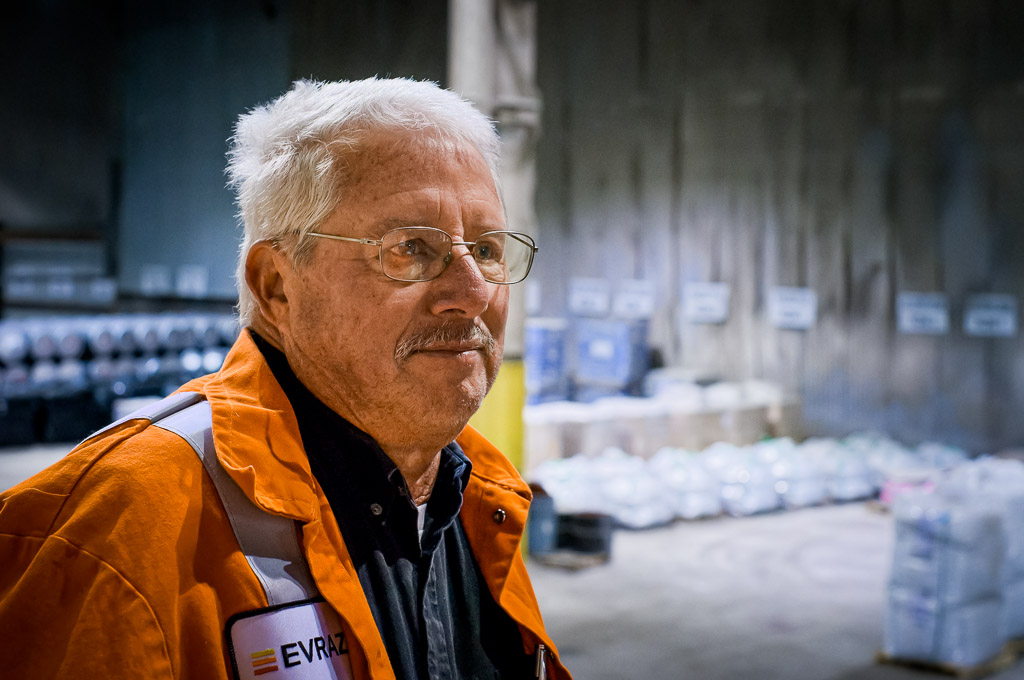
pixel 589 297
pixel 102 290
pixel 706 302
pixel 922 313
pixel 155 279
pixel 193 281
pixel 792 308
pixel 601 349
pixel 991 316
pixel 20 288
pixel 60 288
pixel 634 299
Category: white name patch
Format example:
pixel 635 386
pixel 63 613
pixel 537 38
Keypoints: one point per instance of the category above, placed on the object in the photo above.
pixel 297 641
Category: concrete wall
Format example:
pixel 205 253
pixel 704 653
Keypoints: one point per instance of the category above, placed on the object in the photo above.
pixel 117 116
pixel 58 122
pixel 189 69
pixel 859 148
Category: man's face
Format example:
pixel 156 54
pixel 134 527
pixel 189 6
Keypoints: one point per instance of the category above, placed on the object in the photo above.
pixel 370 347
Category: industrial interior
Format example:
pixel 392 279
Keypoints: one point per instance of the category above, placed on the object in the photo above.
pixel 763 378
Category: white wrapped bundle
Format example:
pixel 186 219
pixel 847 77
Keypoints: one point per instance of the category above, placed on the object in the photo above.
pixel 851 478
pixel 800 479
pixel 886 457
pixel 632 494
pixel 941 456
pixel 720 455
pixel 947 548
pixel 747 484
pixel 696 492
pixel 921 628
pixel 570 483
pixel 771 451
pixel 612 483
pixel 748 487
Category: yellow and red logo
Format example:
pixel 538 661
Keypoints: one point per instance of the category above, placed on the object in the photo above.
pixel 264 661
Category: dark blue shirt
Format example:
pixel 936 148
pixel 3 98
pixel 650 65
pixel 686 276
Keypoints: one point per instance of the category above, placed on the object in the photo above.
pixel 431 605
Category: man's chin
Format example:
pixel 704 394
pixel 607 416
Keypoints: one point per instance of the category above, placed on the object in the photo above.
pixel 456 393
pixel 445 421
pixel 459 402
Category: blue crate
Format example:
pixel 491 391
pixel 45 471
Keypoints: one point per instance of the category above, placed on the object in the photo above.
pixel 610 354
pixel 545 359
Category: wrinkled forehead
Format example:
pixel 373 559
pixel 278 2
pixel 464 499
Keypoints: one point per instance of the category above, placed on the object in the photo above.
pixel 387 157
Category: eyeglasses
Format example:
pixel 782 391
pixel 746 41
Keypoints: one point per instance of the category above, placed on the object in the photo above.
pixel 423 253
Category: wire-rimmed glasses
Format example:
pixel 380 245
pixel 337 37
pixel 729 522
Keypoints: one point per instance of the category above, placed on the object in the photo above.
pixel 423 253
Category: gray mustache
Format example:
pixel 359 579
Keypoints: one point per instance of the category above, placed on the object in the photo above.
pixel 443 334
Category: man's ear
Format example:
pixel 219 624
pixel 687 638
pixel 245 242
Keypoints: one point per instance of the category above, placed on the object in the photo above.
pixel 266 269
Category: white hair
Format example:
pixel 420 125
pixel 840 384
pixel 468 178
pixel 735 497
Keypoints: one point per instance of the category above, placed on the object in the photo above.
pixel 287 158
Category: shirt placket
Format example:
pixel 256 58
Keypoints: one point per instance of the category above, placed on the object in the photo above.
pixel 437 619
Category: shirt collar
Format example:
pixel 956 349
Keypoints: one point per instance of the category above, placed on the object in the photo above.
pixel 453 473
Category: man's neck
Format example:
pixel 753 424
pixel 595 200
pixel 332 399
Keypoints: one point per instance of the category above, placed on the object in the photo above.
pixel 419 477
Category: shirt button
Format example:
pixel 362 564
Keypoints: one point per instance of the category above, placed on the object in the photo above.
pixel 376 509
pixel 498 516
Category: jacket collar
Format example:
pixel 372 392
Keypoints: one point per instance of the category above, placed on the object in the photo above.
pixel 256 435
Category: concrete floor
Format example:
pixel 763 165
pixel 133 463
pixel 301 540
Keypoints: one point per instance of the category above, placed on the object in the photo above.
pixel 796 595
pixel 20 463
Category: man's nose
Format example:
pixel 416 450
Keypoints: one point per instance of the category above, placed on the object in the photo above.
pixel 461 289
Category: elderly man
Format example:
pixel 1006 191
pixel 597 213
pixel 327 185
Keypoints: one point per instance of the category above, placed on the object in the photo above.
pixel 318 507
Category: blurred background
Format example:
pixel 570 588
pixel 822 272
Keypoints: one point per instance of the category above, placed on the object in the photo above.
pixel 766 370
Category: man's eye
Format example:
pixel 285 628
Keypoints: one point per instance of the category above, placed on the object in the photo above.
pixel 488 251
pixel 411 248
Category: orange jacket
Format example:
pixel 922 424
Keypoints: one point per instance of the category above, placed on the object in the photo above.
pixel 119 561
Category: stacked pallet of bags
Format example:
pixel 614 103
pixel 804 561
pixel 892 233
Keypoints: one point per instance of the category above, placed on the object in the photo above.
pixel 1009 487
pixel 1001 483
pixel 956 589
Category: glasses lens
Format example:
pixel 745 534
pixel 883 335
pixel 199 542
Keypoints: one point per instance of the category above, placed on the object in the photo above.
pixel 503 257
pixel 422 254
pixel 414 253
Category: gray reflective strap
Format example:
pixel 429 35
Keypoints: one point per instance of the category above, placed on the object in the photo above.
pixel 269 542
pixel 155 411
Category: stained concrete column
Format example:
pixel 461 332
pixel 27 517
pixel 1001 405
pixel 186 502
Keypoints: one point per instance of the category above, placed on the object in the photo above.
pixel 471 51
pixel 492 62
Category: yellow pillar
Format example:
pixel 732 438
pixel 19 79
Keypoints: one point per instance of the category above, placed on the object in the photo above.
pixel 500 417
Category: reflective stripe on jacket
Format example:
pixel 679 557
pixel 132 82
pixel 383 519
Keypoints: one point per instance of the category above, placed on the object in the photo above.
pixel 119 561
